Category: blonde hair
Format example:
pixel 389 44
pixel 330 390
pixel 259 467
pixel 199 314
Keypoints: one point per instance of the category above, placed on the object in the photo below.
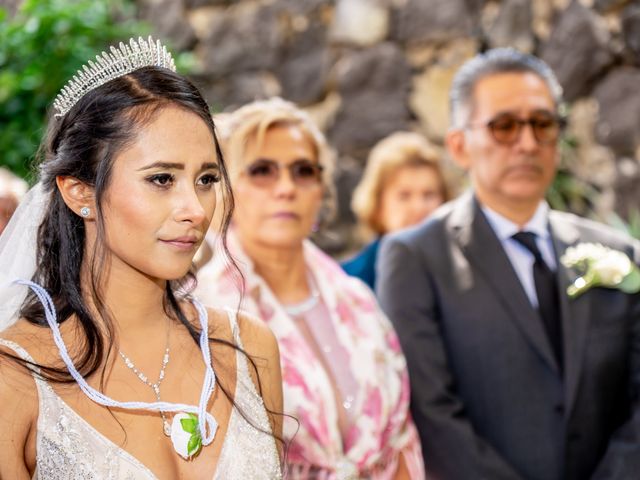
pixel 252 121
pixel 398 150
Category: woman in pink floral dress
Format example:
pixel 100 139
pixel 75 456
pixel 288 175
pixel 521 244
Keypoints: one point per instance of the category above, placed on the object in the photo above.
pixel 345 378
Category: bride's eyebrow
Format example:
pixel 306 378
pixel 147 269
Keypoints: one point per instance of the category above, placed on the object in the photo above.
pixel 177 166
pixel 163 165
pixel 210 166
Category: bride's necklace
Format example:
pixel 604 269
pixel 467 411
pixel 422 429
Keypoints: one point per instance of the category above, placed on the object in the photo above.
pixel 193 427
pixel 166 426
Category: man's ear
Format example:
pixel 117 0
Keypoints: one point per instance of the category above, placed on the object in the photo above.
pixel 456 146
pixel 78 196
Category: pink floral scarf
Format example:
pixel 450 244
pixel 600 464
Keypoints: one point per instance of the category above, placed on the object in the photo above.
pixel 384 427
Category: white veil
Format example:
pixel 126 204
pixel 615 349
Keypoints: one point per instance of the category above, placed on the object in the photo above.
pixel 18 244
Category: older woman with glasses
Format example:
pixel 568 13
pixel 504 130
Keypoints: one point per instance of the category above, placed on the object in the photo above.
pixel 344 375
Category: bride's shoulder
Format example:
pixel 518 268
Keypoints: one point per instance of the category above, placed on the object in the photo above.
pixel 256 334
pixel 252 329
pixel 24 341
pixel 256 337
pixel 260 345
pixel 18 395
pixel 26 335
pixel 19 401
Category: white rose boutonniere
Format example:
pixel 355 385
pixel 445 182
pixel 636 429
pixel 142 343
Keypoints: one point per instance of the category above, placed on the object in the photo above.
pixel 600 266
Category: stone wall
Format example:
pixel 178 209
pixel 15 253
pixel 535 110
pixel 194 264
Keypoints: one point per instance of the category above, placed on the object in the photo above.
pixel 366 68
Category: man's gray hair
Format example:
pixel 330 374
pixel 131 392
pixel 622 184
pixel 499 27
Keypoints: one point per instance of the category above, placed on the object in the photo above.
pixel 491 62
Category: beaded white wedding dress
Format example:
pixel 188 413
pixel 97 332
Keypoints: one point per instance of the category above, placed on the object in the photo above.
pixel 68 448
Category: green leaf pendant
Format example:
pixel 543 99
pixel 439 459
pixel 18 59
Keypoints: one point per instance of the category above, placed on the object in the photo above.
pixel 185 435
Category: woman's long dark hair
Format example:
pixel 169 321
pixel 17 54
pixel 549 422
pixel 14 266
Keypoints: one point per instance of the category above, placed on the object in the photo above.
pixel 83 144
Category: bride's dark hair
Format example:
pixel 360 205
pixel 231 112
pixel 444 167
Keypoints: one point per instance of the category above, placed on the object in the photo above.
pixel 83 144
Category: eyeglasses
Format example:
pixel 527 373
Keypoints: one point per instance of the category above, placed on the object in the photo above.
pixel 507 128
pixel 265 173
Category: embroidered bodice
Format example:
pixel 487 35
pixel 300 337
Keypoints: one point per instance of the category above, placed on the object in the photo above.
pixel 69 448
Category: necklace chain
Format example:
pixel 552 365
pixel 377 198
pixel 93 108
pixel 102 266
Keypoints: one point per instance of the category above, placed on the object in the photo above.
pixel 166 427
pixel 207 424
pixel 307 304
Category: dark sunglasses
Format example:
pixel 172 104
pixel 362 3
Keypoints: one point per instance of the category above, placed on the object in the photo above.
pixel 265 173
pixel 507 128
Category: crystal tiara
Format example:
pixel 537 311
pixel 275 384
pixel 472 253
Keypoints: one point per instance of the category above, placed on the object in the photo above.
pixel 120 61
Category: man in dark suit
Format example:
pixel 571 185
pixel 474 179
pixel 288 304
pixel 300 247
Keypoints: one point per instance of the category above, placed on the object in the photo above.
pixel 511 378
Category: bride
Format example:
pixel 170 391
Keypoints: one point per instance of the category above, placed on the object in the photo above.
pixel 108 368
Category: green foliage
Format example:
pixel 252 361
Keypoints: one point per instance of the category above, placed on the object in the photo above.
pixel 572 194
pixel 40 49
pixel 631 226
pixel 569 192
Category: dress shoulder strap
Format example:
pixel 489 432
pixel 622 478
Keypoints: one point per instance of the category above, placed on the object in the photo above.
pixel 241 358
pixel 232 315
pixel 41 384
pixel 21 352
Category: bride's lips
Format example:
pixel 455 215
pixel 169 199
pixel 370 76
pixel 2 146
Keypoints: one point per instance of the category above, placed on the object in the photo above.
pixel 182 243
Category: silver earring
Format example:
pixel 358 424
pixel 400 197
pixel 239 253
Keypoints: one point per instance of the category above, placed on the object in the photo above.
pixel 85 212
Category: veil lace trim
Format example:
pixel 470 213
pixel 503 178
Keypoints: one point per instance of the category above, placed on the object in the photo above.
pixel 18 249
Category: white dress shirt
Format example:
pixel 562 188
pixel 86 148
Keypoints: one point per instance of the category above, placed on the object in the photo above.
pixel 521 258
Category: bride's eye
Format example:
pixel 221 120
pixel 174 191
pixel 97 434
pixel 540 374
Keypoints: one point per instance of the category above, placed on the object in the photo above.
pixel 161 179
pixel 209 179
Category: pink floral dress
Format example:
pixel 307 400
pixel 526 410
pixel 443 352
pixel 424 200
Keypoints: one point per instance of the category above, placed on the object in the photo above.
pixel 318 449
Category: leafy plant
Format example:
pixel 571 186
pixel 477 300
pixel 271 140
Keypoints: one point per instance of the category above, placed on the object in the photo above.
pixel 631 226
pixel 41 47
pixel 569 192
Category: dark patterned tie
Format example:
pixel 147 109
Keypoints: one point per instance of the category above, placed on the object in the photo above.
pixel 547 292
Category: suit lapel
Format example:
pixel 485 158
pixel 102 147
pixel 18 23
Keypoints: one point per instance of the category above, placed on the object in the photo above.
pixel 484 251
pixel 575 312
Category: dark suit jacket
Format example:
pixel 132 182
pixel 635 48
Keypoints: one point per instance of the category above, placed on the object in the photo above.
pixel 487 395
